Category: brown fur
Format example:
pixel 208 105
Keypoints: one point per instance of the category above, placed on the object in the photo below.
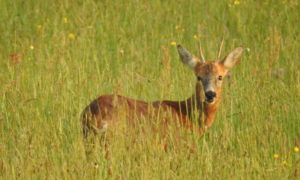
pixel 106 110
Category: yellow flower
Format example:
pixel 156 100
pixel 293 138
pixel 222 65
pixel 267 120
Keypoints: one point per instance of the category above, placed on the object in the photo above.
pixel 196 37
pixel 71 36
pixel 236 2
pixel 284 163
pixel 296 149
pixel 121 52
pixel 276 156
pixel 96 166
pixel 173 43
pixel 65 20
pixel 179 28
pixel 39 26
pixel 31 47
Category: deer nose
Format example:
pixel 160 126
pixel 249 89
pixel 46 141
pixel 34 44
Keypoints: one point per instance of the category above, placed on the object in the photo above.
pixel 210 94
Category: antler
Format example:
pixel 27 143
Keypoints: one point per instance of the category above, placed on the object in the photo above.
pixel 220 49
pixel 201 53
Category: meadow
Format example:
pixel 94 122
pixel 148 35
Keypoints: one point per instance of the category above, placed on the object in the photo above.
pixel 57 56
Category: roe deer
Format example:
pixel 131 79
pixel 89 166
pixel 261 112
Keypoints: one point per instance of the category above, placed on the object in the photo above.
pixel 103 111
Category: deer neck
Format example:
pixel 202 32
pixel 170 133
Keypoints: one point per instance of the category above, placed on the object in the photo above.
pixel 210 111
pixel 196 104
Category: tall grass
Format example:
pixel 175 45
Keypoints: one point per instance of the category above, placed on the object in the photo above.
pixel 57 56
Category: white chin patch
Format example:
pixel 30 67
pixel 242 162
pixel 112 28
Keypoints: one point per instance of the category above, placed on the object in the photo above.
pixel 209 101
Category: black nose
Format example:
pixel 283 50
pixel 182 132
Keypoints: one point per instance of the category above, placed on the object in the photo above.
pixel 210 94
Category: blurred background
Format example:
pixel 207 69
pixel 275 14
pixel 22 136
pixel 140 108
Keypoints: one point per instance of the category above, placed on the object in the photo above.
pixel 57 56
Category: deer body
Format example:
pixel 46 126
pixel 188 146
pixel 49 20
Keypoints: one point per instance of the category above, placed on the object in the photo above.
pixel 106 110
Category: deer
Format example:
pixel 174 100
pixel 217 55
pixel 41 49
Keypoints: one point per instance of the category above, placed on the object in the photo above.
pixel 103 112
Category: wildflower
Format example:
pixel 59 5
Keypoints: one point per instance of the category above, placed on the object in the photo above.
pixel 39 26
pixel 285 163
pixel 96 166
pixel 31 47
pixel 276 156
pixel 278 73
pixel 121 52
pixel 236 2
pixel 275 73
pixel 196 37
pixel 179 28
pixel 173 43
pixel 65 20
pixel 107 155
pixel 229 74
pixel 71 36
pixel 110 171
pixel 15 59
pixel 296 149
pixel 281 70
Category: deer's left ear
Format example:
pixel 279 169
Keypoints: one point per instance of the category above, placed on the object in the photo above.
pixel 232 58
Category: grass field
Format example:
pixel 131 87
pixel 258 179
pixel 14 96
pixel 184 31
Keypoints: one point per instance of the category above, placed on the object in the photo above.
pixel 57 56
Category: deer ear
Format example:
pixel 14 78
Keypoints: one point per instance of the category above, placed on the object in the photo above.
pixel 186 57
pixel 232 58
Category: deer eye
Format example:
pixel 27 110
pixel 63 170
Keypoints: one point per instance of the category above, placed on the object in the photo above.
pixel 220 78
pixel 199 78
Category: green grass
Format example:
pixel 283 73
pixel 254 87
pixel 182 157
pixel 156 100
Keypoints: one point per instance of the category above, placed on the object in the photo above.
pixel 44 89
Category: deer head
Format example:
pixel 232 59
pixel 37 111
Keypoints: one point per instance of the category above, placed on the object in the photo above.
pixel 210 74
